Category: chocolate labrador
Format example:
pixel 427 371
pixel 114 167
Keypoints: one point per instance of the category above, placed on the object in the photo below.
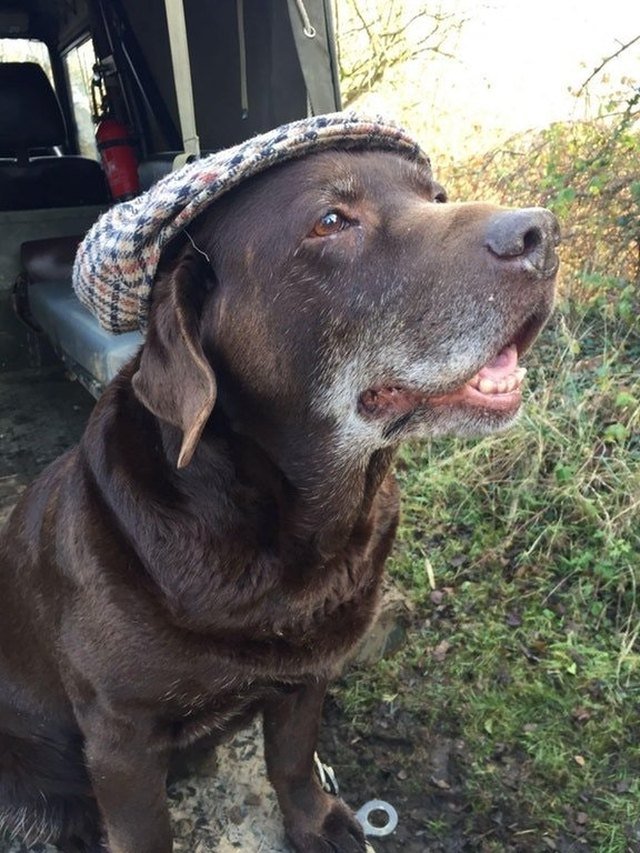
pixel 214 546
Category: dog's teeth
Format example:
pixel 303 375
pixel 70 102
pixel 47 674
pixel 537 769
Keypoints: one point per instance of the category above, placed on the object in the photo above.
pixel 487 386
pixel 520 373
pixel 504 385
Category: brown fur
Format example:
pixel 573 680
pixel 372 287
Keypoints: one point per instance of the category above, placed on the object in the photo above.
pixel 214 547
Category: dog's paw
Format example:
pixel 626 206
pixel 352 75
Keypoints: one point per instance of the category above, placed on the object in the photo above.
pixel 339 832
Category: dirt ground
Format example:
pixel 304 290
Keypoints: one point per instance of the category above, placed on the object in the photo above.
pixel 398 760
pixel 394 756
pixel 391 759
pixel 40 417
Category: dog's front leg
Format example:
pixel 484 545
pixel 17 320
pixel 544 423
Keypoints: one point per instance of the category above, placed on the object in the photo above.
pixel 128 775
pixel 316 822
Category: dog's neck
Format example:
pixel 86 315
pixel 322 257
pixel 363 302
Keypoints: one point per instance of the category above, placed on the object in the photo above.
pixel 291 525
pixel 319 500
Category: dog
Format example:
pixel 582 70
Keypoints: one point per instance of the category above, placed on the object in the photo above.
pixel 214 546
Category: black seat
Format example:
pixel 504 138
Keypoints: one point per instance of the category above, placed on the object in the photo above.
pixel 31 119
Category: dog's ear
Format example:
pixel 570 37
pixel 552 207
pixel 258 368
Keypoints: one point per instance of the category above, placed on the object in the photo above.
pixel 175 381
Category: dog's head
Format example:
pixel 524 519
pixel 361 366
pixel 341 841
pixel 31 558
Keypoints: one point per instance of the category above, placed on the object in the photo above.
pixel 339 300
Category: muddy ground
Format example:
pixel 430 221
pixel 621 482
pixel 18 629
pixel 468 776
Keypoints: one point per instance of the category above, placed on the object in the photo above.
pixel 228 805
pixel 40 417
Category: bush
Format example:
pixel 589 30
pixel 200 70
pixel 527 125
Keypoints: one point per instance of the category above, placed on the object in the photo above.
pixel 588 173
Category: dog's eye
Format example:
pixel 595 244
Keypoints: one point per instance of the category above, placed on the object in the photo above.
pixel 329 224
pixel 439 194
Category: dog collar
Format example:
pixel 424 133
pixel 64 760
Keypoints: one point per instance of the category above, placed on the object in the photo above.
pixel 117 261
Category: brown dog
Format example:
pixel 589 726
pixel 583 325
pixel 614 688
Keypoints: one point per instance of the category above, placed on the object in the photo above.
pixel 214 546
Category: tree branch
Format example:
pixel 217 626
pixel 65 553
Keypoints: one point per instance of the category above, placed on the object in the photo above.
pixel 604 62
pixel 383 34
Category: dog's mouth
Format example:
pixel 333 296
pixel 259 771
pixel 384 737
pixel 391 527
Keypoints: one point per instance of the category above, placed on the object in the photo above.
pixel 495 387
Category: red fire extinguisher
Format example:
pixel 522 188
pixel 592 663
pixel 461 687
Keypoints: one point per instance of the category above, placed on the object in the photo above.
pixel 115 144
pixel 118 157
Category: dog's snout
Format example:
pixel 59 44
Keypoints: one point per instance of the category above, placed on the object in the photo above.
pixel 529 235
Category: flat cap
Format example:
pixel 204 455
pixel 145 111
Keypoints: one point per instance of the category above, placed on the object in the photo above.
pixel 117 261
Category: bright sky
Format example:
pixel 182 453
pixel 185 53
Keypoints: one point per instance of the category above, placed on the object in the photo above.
pixel 516 61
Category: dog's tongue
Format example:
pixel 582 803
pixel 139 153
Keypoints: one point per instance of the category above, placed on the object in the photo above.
pixel 502 365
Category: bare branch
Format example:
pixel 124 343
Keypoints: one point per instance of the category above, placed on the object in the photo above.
pixel 380 35
pixel 605 61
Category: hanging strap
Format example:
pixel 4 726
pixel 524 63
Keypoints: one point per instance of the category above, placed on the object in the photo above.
pixel 242 46
pixel 182 79
pixel 308 29
pixel 314 39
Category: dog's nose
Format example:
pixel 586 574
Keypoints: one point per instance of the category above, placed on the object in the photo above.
pixel 529 235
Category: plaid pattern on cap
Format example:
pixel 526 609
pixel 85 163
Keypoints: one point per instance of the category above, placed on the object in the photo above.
pixel 116 263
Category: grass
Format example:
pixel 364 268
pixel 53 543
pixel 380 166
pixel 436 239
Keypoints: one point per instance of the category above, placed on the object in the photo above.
pixel 522 553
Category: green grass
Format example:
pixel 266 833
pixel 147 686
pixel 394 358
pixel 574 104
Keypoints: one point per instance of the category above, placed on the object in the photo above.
pixel 532 539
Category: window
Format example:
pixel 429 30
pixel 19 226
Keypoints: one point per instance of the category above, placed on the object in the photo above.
pixel 79 62
pixel 26 50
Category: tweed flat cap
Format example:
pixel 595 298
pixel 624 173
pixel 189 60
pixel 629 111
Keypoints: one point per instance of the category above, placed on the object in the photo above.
pixel 117 261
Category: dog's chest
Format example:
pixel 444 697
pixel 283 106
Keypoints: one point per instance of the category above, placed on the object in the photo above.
pixel 189 714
